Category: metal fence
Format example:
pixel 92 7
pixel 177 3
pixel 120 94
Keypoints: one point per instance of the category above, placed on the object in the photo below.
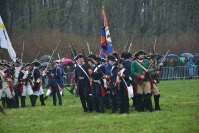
pixel 179 72
pixel 167 73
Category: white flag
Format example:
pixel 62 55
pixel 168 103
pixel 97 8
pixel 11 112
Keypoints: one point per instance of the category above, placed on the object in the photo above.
pixel 5 41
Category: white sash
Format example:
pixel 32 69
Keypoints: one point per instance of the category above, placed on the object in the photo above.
pixel 83 71
pixel 130 87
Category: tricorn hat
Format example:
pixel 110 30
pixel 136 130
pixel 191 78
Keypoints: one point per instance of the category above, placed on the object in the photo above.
pixel 18 61
pixel 139 53
pixel 78 56
pixel 36 63
pixel 111 57
pixel 97 58
pixel 26 64
pixel 115 55
pixel 126 55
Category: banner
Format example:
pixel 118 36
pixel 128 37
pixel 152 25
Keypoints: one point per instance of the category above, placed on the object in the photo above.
pixel 106 42
pixel 5 41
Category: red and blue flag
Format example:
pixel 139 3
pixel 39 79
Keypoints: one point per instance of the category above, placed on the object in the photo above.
pixel 106 42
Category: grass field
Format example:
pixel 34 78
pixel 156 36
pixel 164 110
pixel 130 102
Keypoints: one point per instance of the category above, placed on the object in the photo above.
pixel 180 114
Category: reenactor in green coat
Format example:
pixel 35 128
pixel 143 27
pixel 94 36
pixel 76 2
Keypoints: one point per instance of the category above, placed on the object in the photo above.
pixel 143 83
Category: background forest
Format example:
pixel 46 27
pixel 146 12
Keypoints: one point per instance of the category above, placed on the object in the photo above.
pixel 40 24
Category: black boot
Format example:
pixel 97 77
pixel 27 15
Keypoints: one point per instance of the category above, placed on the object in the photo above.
pixel 8 103
pixel 126 106
pixel 83 102
pixel 32 100
pixel 148 102
pixel 59 98
pixel 13 103
pixel 23 101
pixel 101 105
pixel 17 100
pixel 4 102
pixel 54 99
pixel 42 100
pixel 156 99
pixel 2 110
pixel 139 103
pixel 121 107
pixel 35 99
pixel 89 104
pixel 114 104
pixel 134 101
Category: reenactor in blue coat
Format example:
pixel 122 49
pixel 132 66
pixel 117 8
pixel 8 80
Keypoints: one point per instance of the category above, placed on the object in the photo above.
pixel 25 84
pixel 112 81
pixel 54 83
pixel 98 84
pixel 37 81
pixel 82 83
pixel 122 82
pixel 126 56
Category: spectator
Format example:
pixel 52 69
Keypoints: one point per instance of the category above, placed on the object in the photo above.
pixel 192 68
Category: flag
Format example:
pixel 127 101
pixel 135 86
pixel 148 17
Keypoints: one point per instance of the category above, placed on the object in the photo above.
pixel 5 41
pixel 106 42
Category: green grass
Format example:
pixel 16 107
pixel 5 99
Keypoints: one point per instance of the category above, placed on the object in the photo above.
pixel 180 114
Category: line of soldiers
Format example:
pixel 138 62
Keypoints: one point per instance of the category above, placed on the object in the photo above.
pixel 101 83
pixel 111 82
pixel 16 81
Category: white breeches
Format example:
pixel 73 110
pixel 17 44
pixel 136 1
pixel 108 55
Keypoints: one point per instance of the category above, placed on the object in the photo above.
pixel 7 92
pixel 27 89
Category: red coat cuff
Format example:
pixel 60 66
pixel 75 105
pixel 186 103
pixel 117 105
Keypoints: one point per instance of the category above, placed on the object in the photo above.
pixel 139 76
pixel 156 73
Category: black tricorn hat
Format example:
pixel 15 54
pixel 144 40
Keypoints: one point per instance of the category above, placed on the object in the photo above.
pixel 91 56
pixel 97 58
pixel 26 64
pixel 2 63
pixel 115 55
pixel 18 61
pixel 111 57
pixel 36 63
pixel 139 53
pixel 126 55
pixel 5 64
pixel 78 56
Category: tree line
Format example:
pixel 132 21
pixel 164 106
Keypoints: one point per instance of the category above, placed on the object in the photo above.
pixel 41 23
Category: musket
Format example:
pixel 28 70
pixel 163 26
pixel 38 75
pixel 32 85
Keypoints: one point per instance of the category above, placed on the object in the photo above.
pixel 75 52
pixel 147 73
pixel 22 53
pixel 51 56
pixel 130 46
pixel 58 56
pixel 163 59
pixel 89 52
pixel 118 66
pixel 37 55
pixel 126 45
pixel 153 52
pixel 85 59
